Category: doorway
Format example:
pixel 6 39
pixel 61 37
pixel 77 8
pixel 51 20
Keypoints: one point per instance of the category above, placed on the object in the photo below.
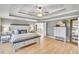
pixel 74 31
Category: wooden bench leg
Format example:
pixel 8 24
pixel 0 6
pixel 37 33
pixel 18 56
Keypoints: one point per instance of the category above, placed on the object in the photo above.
pixel 38 42
pixel 13 50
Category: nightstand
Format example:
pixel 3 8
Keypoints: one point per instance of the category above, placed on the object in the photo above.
pixel 5 38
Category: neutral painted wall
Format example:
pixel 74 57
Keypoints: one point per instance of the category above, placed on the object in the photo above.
pixel 6 23
pixel 50 28
pixel 15 27
pixel 69 31
pixel 0 26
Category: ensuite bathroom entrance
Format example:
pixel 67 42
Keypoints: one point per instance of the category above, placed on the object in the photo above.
pixel 74 31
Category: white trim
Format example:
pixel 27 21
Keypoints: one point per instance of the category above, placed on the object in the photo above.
pixel 51 37
pixel 58 9
pixel 78 32
pixel 46 17
pixel 66 17
pixel 63 13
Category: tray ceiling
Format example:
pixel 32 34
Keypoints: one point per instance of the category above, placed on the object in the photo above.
pixel 42 12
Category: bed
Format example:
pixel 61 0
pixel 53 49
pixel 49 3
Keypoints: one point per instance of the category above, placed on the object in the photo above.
pixel 21 40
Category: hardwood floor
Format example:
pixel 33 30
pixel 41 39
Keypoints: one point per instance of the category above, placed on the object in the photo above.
pixel 50 46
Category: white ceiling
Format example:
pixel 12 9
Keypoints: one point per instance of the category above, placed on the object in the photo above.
pixel 55 11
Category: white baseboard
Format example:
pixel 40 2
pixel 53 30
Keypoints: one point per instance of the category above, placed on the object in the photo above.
pixel 51 37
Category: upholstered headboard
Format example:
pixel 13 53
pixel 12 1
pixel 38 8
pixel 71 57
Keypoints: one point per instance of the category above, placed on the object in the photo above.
pixel 19 28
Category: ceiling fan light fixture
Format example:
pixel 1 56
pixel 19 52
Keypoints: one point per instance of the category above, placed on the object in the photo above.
pixel 39 10
pixel 40 7
pixel 40 15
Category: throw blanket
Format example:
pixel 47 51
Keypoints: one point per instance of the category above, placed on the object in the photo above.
pixel 23 37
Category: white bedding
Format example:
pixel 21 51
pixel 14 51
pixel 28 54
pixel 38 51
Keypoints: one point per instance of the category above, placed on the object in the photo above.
pixel 26 36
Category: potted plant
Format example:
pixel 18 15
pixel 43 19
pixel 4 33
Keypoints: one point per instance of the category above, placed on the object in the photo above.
pixel 65 22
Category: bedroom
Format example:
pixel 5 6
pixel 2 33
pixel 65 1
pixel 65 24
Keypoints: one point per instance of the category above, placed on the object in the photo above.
pixel 21 29
pixel 40 25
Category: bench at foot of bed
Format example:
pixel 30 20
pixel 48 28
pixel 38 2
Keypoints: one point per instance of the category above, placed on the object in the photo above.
pixel 20 44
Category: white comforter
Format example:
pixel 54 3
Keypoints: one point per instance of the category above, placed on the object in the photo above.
pixel 26 36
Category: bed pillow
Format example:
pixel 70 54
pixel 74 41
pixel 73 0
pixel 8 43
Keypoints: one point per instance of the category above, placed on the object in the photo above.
pixel 15 32
pixel 22 31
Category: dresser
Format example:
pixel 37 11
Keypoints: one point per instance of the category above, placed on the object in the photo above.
pixel 60 33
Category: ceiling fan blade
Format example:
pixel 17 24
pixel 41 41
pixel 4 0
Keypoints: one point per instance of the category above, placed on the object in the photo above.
pixel 46 12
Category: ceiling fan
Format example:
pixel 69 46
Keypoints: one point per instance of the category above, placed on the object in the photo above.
pixel 39 11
